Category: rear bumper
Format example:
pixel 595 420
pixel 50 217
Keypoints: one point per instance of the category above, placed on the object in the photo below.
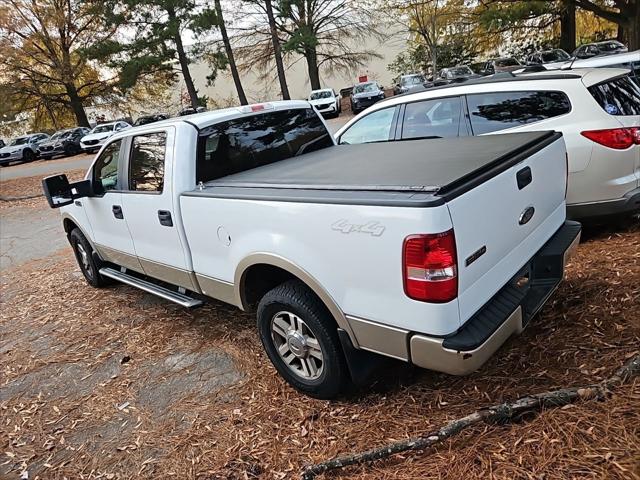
pixel 506 313
pixel 630 203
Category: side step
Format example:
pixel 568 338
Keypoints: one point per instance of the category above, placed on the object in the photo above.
pixel 152 288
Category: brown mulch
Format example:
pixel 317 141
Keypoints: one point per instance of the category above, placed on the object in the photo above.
pixel 258 427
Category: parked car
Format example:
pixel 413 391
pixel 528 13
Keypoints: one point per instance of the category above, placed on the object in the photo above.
pixel 2 144
pixel 96 138
pixel 413 250
pixel 326 101
pixel 629 61
pixel 457 74
pixel 498 65
pixel 608 47
pixel 63 142
pixel 548 56
pixel 146 119
pixel 364 95
pixel 409 83
pixel 22 149
pixel 597 110
pixel 191 111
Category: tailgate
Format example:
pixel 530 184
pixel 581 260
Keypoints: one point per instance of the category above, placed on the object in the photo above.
pixel 503 219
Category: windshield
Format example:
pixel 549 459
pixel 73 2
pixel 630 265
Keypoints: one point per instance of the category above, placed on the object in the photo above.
pixel 103 128
pixel 555 56
pixel 459 72
pixel 321 94
pixel 365 87
pixel 20 141
pixel 60 135
pixel 610 46
pixel 507 62
pixel 413 80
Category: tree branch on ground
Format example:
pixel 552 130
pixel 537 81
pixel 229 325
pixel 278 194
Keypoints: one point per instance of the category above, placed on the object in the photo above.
pixel 501 413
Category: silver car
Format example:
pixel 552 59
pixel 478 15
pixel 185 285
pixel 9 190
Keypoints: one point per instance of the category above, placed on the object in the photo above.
pixel 22 149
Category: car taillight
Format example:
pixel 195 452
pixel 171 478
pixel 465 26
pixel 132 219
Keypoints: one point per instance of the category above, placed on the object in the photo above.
pixel 429 269
pixel 617 138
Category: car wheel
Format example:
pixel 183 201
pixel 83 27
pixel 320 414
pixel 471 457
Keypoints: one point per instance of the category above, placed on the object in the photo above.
pixel 301 339
pixel 28 155
pixel 86 261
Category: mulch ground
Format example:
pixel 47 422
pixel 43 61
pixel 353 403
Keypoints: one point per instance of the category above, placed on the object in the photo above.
pixel 14 193
pixel 116 384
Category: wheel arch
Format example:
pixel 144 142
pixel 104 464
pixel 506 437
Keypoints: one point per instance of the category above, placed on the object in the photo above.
pixel 69 223
pixel 269 270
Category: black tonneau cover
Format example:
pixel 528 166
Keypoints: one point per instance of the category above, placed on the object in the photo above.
pixel 416 172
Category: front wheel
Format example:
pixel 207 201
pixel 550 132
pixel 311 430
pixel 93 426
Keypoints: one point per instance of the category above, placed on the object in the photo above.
pixel 28 155
pixel 301 340
pixel 84 256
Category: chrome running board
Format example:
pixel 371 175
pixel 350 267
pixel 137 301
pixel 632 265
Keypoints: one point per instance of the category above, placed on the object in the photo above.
pixel 149 287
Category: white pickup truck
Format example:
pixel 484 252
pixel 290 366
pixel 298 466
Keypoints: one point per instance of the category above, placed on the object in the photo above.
pixel 429 251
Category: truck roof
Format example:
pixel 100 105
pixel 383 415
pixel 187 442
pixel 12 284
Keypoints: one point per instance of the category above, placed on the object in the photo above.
pixel 205 119
pixel 434 167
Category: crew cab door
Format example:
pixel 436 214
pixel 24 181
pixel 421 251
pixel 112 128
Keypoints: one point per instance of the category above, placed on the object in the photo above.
pixel 148 199
pixel 106 213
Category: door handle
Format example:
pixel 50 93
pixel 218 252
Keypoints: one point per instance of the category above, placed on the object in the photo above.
pixel 165 218
pixel 524 177
pixel 117 211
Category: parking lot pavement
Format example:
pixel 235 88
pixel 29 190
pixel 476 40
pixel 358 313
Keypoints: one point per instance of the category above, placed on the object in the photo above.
pixel 45 167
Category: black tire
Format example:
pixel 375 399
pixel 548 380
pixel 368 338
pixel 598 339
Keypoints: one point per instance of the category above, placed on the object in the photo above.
pixel 89 268
pixel 295 297
pixel 28 155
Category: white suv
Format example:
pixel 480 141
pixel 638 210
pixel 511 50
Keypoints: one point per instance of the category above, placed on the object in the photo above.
pixel 596 109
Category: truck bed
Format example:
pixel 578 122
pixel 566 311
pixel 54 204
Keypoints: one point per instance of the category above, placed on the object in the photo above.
pixel 408 173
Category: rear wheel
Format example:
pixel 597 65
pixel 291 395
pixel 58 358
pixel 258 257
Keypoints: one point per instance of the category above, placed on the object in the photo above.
pixel 301 340
pixel 86 261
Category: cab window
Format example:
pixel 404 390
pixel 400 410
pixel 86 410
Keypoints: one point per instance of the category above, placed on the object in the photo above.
pixel 146 163
pixel 105 170
pixel 253 141
pixel 375 127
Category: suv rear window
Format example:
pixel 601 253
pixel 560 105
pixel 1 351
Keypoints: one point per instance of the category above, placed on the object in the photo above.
pixel 619 96
pixel 493 111
pixel 251 142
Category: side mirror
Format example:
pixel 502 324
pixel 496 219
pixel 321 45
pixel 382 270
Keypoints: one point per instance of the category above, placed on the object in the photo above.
pixel 59 192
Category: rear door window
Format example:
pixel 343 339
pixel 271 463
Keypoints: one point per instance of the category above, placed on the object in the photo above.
pixel 250 142
pixel 437 118
pixel 493 111
pixel 619 96
pixel 374 127
pixel 146 162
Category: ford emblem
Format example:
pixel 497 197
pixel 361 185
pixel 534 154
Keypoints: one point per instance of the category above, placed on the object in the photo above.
pixel 526 215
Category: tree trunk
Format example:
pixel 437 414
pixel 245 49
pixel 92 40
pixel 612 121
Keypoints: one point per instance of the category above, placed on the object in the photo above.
pixel 568 26
pixel 277 51
pixel 311 56
pixel 632 28
pixel 76 105
pixel 184 66
pixel 229 51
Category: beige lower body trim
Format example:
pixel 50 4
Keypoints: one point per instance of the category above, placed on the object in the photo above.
pixel 428 352
pixel 119 258
pixel 218 289
pixel 172 275
pixel 378 338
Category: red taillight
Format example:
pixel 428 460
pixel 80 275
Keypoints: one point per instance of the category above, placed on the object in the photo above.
pixel 617 138
pixel 258 107
pixel 429 267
